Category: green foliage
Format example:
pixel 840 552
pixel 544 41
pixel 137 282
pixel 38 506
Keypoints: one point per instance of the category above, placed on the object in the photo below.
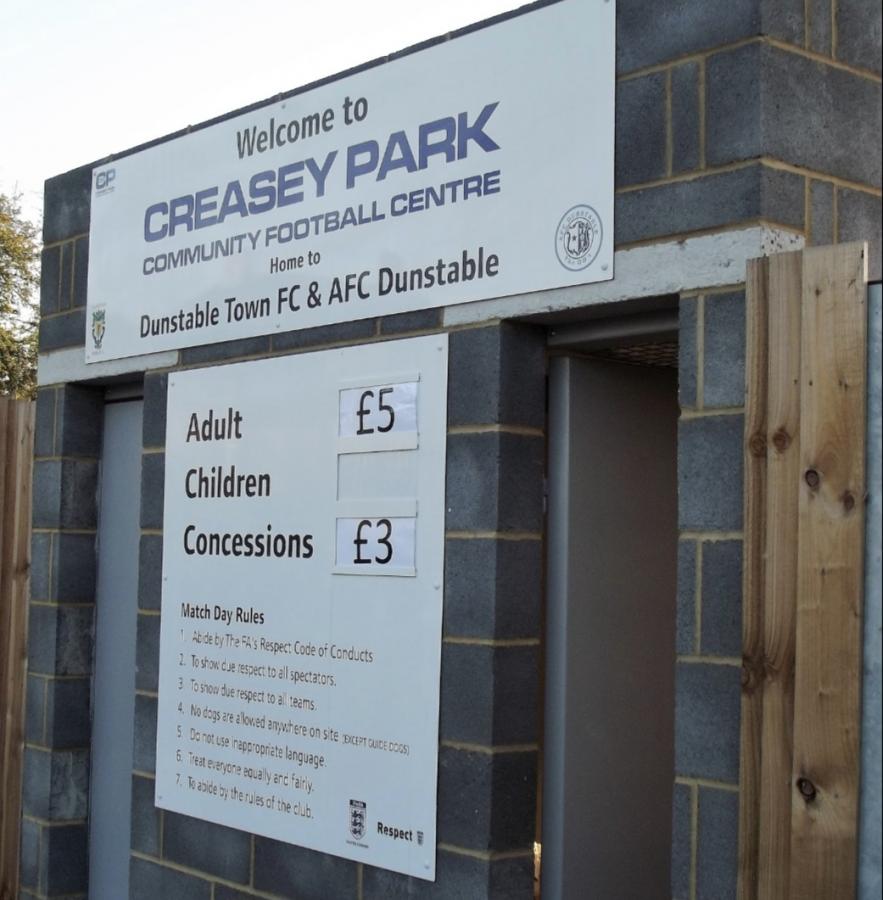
pixel 19 310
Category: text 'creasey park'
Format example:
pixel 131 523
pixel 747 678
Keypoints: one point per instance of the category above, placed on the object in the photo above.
pixel 438 142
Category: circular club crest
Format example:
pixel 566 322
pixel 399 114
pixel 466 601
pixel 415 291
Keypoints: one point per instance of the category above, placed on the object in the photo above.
pixel 578 237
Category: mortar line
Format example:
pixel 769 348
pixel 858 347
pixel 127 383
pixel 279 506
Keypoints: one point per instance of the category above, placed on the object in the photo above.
pixel 689 781
pixel 669 125
pixel 694 839
pixel 700 352
pixel 835 12
pixel 702 114
pixel 697 601
pixel 688 414
pixel 807 209
pixel 835 214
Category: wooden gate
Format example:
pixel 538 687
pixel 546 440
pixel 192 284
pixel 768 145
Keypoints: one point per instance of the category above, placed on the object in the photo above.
pixel 802 591
pixel 16 455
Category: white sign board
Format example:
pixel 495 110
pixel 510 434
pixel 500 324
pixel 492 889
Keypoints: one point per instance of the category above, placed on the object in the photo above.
pixel 477 167
pixel 303 548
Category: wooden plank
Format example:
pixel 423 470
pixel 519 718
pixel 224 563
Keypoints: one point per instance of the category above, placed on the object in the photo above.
pixel 831 548
pixel 780 576
pixel 755 453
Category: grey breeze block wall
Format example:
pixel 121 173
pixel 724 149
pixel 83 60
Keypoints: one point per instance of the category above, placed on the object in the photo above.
pixel 729 113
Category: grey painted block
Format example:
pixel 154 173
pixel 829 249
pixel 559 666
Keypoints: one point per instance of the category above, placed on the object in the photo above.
pixel 859 33
pixel 496 375
pixel 68 719
pixel 487 693
pixel 457 876
pixel 46 500
pixel 685 117
pixel 79 418
pixel 722 598
pixel 81 272
pixel 64 330
pixel 75 568
pixel 60 640
pixel 50 279
pixel 29 851
pixel 822 212
pixel 66 205
pixel 494 482
pixel 150 572
pixel 153 470
pixel 724 359
pixel 859 220
pixel 147 654
pixel 345 332
pixel 707 719
pixel 67 276
pixel 153 429
pixel 783 19
pixel 150 881
pixel 207 847
pixel 687 352
pixel 64 859
pixel 305 874
pixel 55 784
pixel 224 892
pixel 686 615
pixel 710 473
pixel 41 549
pixel 681 842
pixel 493 589
pixel 717 857
pixel 417 320
pixel 144 752
pixel 485 801
pixel 146 818
pixel 640 130
pixel 79 494
pixel 35 710
pixel 226 350
pixel 726 198
pixel 44 424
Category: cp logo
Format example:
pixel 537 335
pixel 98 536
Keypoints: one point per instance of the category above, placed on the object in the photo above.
pixel 104 180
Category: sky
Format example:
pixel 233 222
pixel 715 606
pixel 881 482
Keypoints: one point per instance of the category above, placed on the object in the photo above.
pixel 81 79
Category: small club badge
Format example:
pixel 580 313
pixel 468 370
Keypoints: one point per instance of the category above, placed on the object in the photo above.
pixel 358 812
pixel 578 237
pixel 98 326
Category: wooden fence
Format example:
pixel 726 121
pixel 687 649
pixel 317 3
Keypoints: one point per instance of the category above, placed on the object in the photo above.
pixel 802 589
pixel 16 454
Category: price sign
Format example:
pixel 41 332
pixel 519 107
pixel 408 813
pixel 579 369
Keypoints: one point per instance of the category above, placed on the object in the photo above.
pixel 378 417
pixel 376 546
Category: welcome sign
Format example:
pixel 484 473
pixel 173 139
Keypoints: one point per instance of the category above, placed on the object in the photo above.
pixel 478 167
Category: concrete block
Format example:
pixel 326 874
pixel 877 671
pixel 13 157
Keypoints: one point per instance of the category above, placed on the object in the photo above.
pixel 305 874
pixel 65 330
pixel 41 548
pixel 46 500
pixel 783 19
pixel 153 472
pixel 717 857
pixel 147 654
pixel 822 212
pixel 724 358
pixel 493 589
pixel 685 117
pixel 226 350
pixel 734 124
pixel 722 598
pixel 75 568
pixel 472 785
pixel 50 279
pixel 29 851
pixel 707 719
pixel 146 818
pixel 486 694
pixel 343 333
pixel 81 273
pixel 687 358
pixel 68 718
pixel 726 198
pixel 44 423
pixel 496 375
pixel 35 710
pixel 60 640
pixel 79 494
pixel 859 33
pixel 859 220
pixel 150 881
pixel 207 847
pixel 223 892
pixel 494 482
pixel 640 130
pixel 65 286
pixel 66 205
pixel 686 615
pixel 417 320
pixel 153 429
pixel 150 572
pixel 144 752
pixel 64 859
pixel 681 842
pixel 55 784
pixel 710 473
pixel 79 420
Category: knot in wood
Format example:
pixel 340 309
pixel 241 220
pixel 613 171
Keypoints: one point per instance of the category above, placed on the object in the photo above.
pixel 807 789
pixel 781 440
pixel 848 501
pixel 757 445
pixel 812 478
